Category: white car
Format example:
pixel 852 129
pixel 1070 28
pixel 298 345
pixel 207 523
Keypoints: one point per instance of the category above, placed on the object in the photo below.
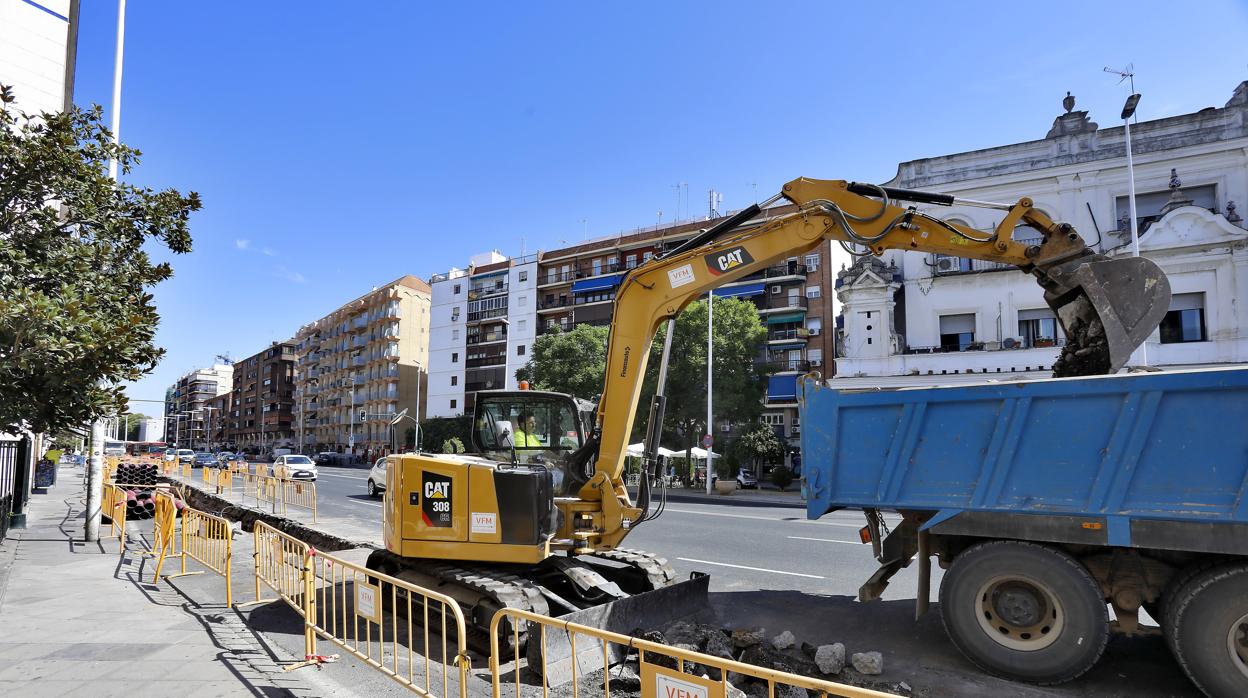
pixel 377 478
pixel 297 467
pixel 186 455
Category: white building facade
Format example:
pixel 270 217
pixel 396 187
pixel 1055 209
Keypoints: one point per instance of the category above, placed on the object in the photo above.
pixel 914 319
pixel 38 42
pixel 483 321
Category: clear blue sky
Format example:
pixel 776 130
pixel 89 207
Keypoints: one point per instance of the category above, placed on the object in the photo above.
pixel 338 145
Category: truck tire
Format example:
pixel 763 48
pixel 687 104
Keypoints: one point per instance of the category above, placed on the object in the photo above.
pixel 1173 589
pixel 1210 630
pixel 1024 611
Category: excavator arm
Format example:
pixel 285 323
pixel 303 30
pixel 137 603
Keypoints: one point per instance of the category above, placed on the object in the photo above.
pixel 1107 307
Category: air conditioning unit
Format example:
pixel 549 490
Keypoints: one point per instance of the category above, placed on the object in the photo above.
pixel 816 362
pixel 946 264
pixel 813 331
pixel 725 428
pixel 775 290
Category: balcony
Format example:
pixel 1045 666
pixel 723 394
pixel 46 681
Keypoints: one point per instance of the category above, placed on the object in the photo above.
pixel 558 277
pixel 776 302
pixel 358 360
pixel 486 291
pixel 1041 343
pixel 359 322
pixel 487 337
pixel 591 270
pixel 314 406
pixel 359 342
pixel 495 360
pixel 474 387
pixel 552 304
pixel 785 270
pixel 547 329
pixel 787 366
pixel 787 335
pixel 487 314
pixel 359 380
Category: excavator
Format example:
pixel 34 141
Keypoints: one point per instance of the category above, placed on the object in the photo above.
pixel 535 517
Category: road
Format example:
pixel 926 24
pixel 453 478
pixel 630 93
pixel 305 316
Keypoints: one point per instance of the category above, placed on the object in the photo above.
pixel 770 566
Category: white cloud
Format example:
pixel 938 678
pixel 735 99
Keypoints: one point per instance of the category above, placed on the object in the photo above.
pixel 243 244
pixel 289 275
pixel 268 252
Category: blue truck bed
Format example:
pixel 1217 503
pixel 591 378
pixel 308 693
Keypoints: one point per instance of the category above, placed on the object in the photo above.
pixel 1122 452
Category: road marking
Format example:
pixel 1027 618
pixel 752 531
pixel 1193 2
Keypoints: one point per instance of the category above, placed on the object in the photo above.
pixel 345 477
pixel 754 569
pixel 761 518
pixel 826 540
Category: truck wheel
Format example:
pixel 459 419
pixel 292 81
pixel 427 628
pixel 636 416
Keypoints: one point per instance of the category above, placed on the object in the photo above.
pixel 1210 633
pixel 1024 611
pixel 1173 588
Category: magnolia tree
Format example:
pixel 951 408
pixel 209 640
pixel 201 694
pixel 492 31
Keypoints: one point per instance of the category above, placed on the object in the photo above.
pixel 76 313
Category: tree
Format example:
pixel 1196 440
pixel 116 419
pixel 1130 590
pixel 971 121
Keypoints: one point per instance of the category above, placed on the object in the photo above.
pixel 435 431
pixel 572 362
pixel 781 477
pixel 760 443
pixel 132 423
pixel 453 445
pixel 76 315
pixel 738 385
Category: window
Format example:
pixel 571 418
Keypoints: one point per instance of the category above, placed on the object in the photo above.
pixel 812 263
pixel 455 290
pixel 521 325
pixel 454 313
pixel 772 419
pixel 1037 327
pixel 522 301
pixel 454 380
pixel 452 404
pixel 597 266
pixel 815 356
pixel 1186 320
pixel 814 325
pixel 1148 205
pixel 523 276
pixel 630 261
pixel 647 256
pixel 812 292
pixel 957 332
pixel 519 350
pixel 454 357
pixel 454 335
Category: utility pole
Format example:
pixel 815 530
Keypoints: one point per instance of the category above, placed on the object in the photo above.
pixel 710 422
pixel 95 470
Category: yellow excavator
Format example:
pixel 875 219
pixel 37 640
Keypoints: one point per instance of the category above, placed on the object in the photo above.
pixel 535 517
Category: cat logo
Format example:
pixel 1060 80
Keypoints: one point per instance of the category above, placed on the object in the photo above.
pixel 435 509
pixel 727 260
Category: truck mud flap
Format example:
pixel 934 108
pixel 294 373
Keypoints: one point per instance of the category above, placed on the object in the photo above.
pixel 629 616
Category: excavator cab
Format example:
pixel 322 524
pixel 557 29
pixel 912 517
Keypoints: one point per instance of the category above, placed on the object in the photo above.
pixel 531 427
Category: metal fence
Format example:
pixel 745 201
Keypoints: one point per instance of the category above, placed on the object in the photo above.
pixel 600 648
pixel 282 564
pixel 8 482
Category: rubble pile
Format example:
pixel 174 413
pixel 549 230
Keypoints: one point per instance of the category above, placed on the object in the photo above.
pixel 781 652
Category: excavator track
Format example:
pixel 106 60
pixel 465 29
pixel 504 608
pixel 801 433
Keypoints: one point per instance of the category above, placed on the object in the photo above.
pixel 657 570
pixel 495 588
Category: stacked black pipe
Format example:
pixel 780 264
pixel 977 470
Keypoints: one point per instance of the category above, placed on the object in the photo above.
pixel 139 480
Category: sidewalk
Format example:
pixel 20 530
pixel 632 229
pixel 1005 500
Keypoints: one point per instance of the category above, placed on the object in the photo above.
pixel 78 619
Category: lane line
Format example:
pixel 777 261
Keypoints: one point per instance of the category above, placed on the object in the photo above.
pixel 753 569
pixel 762 518
pixel 345 477
pixel 826 540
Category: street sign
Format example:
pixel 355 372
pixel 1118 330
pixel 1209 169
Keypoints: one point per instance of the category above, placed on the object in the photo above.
pixel 707 441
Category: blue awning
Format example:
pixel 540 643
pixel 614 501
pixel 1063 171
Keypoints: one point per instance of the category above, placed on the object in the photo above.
pixel 598 283
pixel 782 387
pixel 741 291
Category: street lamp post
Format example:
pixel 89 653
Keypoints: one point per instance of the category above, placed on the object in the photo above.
pixel 710 428
pixel 1128 110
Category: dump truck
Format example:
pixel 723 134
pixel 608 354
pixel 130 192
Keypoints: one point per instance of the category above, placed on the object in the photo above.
pixel 1046 503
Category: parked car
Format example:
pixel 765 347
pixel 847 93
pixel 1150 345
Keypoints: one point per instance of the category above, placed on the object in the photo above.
pixel 204 459
pixel 238 458
pixel 746 480
pixel 377 478
pixel 224 457
pixel 297 467
pixel 186 455
pixel 326 458
pixel 171 454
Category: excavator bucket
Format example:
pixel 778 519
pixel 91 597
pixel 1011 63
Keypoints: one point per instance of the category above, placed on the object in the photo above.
pixel 1108 307
pixel 550 652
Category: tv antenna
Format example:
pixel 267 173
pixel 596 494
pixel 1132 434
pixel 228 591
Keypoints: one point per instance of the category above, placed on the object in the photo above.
pixel 1127 73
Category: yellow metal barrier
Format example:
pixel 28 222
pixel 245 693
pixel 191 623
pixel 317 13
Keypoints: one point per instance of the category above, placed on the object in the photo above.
pixel 262 470
pixel 657 681
pixel 166 540
pixel 298 494
pixel 224 481
pixel 283 564
pixel 205 538
pixel 113 505
pixel 359 610
pixel 186 470
pixel 206 474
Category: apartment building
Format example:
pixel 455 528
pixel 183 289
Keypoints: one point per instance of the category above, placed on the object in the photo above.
pixel 261 409
pixel 482 326
pixel 912 319
pixel 359 366
pixel 186 399
pixel 576 285
pixel 38 49
pixel 220 422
